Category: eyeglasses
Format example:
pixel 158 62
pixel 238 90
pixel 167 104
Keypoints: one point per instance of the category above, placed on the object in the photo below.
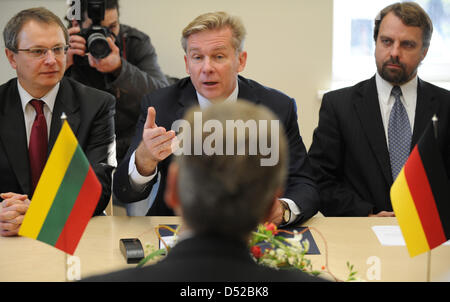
pixel 40 52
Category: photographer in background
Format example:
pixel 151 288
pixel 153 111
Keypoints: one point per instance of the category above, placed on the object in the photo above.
pixel 128 71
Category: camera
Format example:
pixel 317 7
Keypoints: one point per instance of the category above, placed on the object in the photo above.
pixel 96 34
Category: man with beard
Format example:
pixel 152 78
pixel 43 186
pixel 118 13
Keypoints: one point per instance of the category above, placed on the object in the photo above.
pixel 366 132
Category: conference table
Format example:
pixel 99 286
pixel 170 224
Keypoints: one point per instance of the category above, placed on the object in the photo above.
pixel 339 240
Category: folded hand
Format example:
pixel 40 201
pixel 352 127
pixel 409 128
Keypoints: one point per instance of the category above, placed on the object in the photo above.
pixel 12 212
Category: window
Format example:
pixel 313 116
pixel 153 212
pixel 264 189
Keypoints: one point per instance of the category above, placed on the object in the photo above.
pixel 354 47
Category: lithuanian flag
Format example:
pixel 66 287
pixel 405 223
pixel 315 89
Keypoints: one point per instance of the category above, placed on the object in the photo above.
pixel 421 199
pixel 65 197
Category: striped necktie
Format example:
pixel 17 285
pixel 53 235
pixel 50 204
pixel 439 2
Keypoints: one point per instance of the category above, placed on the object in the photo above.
pixel 399 132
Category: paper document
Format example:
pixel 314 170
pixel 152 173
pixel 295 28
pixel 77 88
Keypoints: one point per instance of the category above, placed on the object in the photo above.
pixel 391 235
pixel 168 240
pixel 167 236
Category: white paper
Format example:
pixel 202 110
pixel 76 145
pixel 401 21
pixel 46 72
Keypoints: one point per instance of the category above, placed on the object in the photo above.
pixel 168 240
pixel 391 235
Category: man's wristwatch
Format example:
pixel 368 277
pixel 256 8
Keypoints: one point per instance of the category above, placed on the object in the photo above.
pixel 286 211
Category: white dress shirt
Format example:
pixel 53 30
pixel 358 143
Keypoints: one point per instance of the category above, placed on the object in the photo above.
pixel 386 100
pixel 139 182
pixel 30 113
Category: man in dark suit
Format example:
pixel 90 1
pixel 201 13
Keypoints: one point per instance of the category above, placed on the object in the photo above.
pixel 213 44
pixel 221 199
pixel 366 132
pixel 31 106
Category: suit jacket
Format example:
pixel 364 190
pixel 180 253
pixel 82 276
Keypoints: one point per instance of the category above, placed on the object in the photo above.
pixel 172 102
pixel 349 150
pixel 207 259
pixel 90 114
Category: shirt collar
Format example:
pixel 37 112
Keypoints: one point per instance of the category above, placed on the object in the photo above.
pixel 49 99
pixel 409 91
pixel 204 102
pixel 384 88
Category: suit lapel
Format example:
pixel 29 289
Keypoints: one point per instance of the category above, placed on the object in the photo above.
pixel 13 135
pixel 65 102
pixel 246 92
pixel 368 109
pixel 187 98
pixel 425 107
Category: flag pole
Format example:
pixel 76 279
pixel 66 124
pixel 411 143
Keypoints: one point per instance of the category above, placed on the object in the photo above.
pixel 66 258
pixel 66 271
pixel 434 120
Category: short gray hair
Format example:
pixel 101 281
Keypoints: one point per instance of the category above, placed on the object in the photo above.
pixel 228 195
pixel 38 14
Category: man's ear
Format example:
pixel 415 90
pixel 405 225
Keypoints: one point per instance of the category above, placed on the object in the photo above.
pixel 10 55
pixel 171 195
pixel 242 61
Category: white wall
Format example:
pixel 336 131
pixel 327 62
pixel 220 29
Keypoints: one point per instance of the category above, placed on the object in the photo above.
pixel 289 42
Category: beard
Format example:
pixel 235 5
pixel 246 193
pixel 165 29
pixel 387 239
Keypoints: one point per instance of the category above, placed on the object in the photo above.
pixel 395 76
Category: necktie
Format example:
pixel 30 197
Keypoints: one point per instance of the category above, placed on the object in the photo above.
pixel 399 132
pixel 38 143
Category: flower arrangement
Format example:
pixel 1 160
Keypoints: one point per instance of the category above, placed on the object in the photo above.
pixel 281 252
pixel 267 247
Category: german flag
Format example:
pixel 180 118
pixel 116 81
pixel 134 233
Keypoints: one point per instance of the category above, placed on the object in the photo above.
pixel 420 197
pixel 65 197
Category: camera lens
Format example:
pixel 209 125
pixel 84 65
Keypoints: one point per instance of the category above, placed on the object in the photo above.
pixel 98 46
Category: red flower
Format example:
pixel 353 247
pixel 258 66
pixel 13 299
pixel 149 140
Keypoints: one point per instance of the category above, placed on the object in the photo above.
pixel 256 251
pixel 271 227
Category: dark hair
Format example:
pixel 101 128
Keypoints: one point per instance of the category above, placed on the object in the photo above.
pixel 109 4
pixel 38 14
pixel 411 14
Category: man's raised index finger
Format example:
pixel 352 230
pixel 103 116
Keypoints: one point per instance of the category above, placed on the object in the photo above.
pixel 151 116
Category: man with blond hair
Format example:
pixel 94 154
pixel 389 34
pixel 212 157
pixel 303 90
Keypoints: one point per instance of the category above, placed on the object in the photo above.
pixel 214 57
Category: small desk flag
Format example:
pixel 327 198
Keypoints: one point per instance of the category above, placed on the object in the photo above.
pixel 65 197
pixel 420 197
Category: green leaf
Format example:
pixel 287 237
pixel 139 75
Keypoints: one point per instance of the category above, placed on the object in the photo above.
pixel 151 256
